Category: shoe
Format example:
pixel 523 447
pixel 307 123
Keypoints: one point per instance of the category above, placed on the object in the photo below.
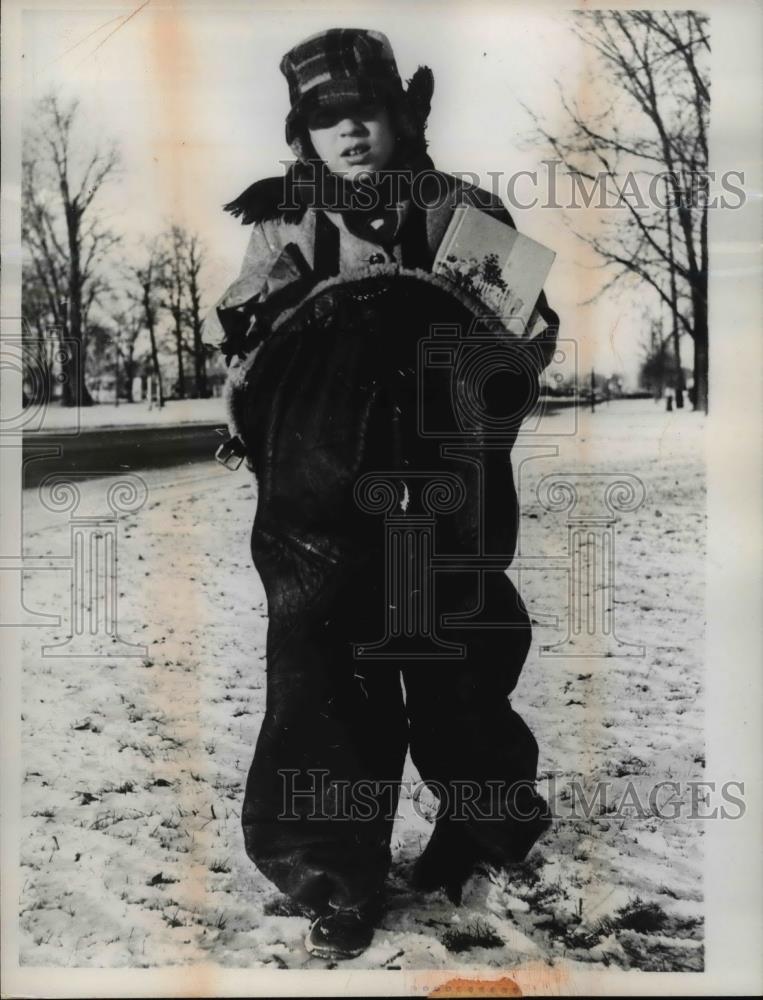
pixel 344 932
pixel 446 863
pixel 453 854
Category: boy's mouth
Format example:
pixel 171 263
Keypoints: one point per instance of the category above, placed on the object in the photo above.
pixel 357 153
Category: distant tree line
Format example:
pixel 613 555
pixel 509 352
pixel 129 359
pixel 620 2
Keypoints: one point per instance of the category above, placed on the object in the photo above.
pixel 89 313
pixel 644 117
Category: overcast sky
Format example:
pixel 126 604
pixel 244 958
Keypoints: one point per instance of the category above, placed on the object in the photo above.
pixel 196 101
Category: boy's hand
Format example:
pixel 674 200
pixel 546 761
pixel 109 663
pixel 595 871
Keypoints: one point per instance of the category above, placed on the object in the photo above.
pixel 241 327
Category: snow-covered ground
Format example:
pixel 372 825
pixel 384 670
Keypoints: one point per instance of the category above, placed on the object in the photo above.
pixel 133 769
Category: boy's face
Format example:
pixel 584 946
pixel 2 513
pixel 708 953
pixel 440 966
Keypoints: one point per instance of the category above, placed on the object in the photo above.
pixel 352 140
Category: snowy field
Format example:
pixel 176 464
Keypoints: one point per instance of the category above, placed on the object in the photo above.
pixel 133 769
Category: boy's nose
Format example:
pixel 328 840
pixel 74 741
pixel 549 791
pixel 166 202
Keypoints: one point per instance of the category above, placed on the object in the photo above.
pixel 351 126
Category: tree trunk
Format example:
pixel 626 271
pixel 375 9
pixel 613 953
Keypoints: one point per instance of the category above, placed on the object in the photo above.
pixel 680 387
pixel 75 389
pixel 179 352
pixel 701 354
pixel 72 363
pixel 199 361
pixel 197 323
pixel 129 370
pixel 155 363
pixel 701 387
pixel 151 324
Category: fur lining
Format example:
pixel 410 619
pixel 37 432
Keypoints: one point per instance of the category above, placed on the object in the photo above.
pixel 235 383
pixel 369 271
pixel 239 370
pixel 419 94
pixel 266 199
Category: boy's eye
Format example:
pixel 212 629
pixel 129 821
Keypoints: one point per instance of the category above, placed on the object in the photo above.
pixel 322 119
pixel 328 117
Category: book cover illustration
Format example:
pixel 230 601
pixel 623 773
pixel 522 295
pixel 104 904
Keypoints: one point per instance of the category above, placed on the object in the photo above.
pixel 490 259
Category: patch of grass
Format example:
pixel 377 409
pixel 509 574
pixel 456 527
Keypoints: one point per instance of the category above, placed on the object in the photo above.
pixel 630 765
pixel 525 874
pixel 646 918
pixel 87 725
pixel 540 896
pixel 111 817
pixel 283 906
pixel 661 956
pixel 476 934
pixel 37 904
pixel 220 867
pixel 141 748
pixel 46 813
pixel 689 927
pixel 161 879
pixel 173 919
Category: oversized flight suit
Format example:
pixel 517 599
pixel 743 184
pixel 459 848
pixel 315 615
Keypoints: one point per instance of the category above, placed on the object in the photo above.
pixel 333 395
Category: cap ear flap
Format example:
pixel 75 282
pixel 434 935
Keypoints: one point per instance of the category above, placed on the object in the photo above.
pixel 419 94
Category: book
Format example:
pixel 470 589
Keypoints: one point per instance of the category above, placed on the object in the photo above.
pixel 491 260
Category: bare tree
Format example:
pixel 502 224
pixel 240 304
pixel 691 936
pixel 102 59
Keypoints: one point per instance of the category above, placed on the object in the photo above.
pixel 146 289
pixel 653 66
pixel 194 262
pixel 182 298
pixel 101 360
pixel 172 283
pixel 128 324
pixel 63 171
pixel 654 372
pixel 130 332
pixel 41 338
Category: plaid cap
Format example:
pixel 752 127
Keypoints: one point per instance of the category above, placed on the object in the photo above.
pixel 338 66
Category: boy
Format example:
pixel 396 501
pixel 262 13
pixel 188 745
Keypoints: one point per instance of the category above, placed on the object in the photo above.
pixel 363 194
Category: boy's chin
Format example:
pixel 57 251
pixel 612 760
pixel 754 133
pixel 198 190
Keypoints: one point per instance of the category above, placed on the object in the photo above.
pixel 359 173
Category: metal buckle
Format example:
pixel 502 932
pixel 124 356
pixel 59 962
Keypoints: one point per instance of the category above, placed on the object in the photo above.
pixel 231 453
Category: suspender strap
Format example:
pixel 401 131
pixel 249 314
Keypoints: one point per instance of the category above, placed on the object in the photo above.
pixel 326 248
pixel 414 246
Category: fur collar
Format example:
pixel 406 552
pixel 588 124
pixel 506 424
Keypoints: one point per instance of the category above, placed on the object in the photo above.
pixel 270 198
pixel 274 198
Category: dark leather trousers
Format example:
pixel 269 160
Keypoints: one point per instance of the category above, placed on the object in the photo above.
pixel 323 787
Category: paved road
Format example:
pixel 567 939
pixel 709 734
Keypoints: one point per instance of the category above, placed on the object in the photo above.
pixel 111 450
pixel 115 450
